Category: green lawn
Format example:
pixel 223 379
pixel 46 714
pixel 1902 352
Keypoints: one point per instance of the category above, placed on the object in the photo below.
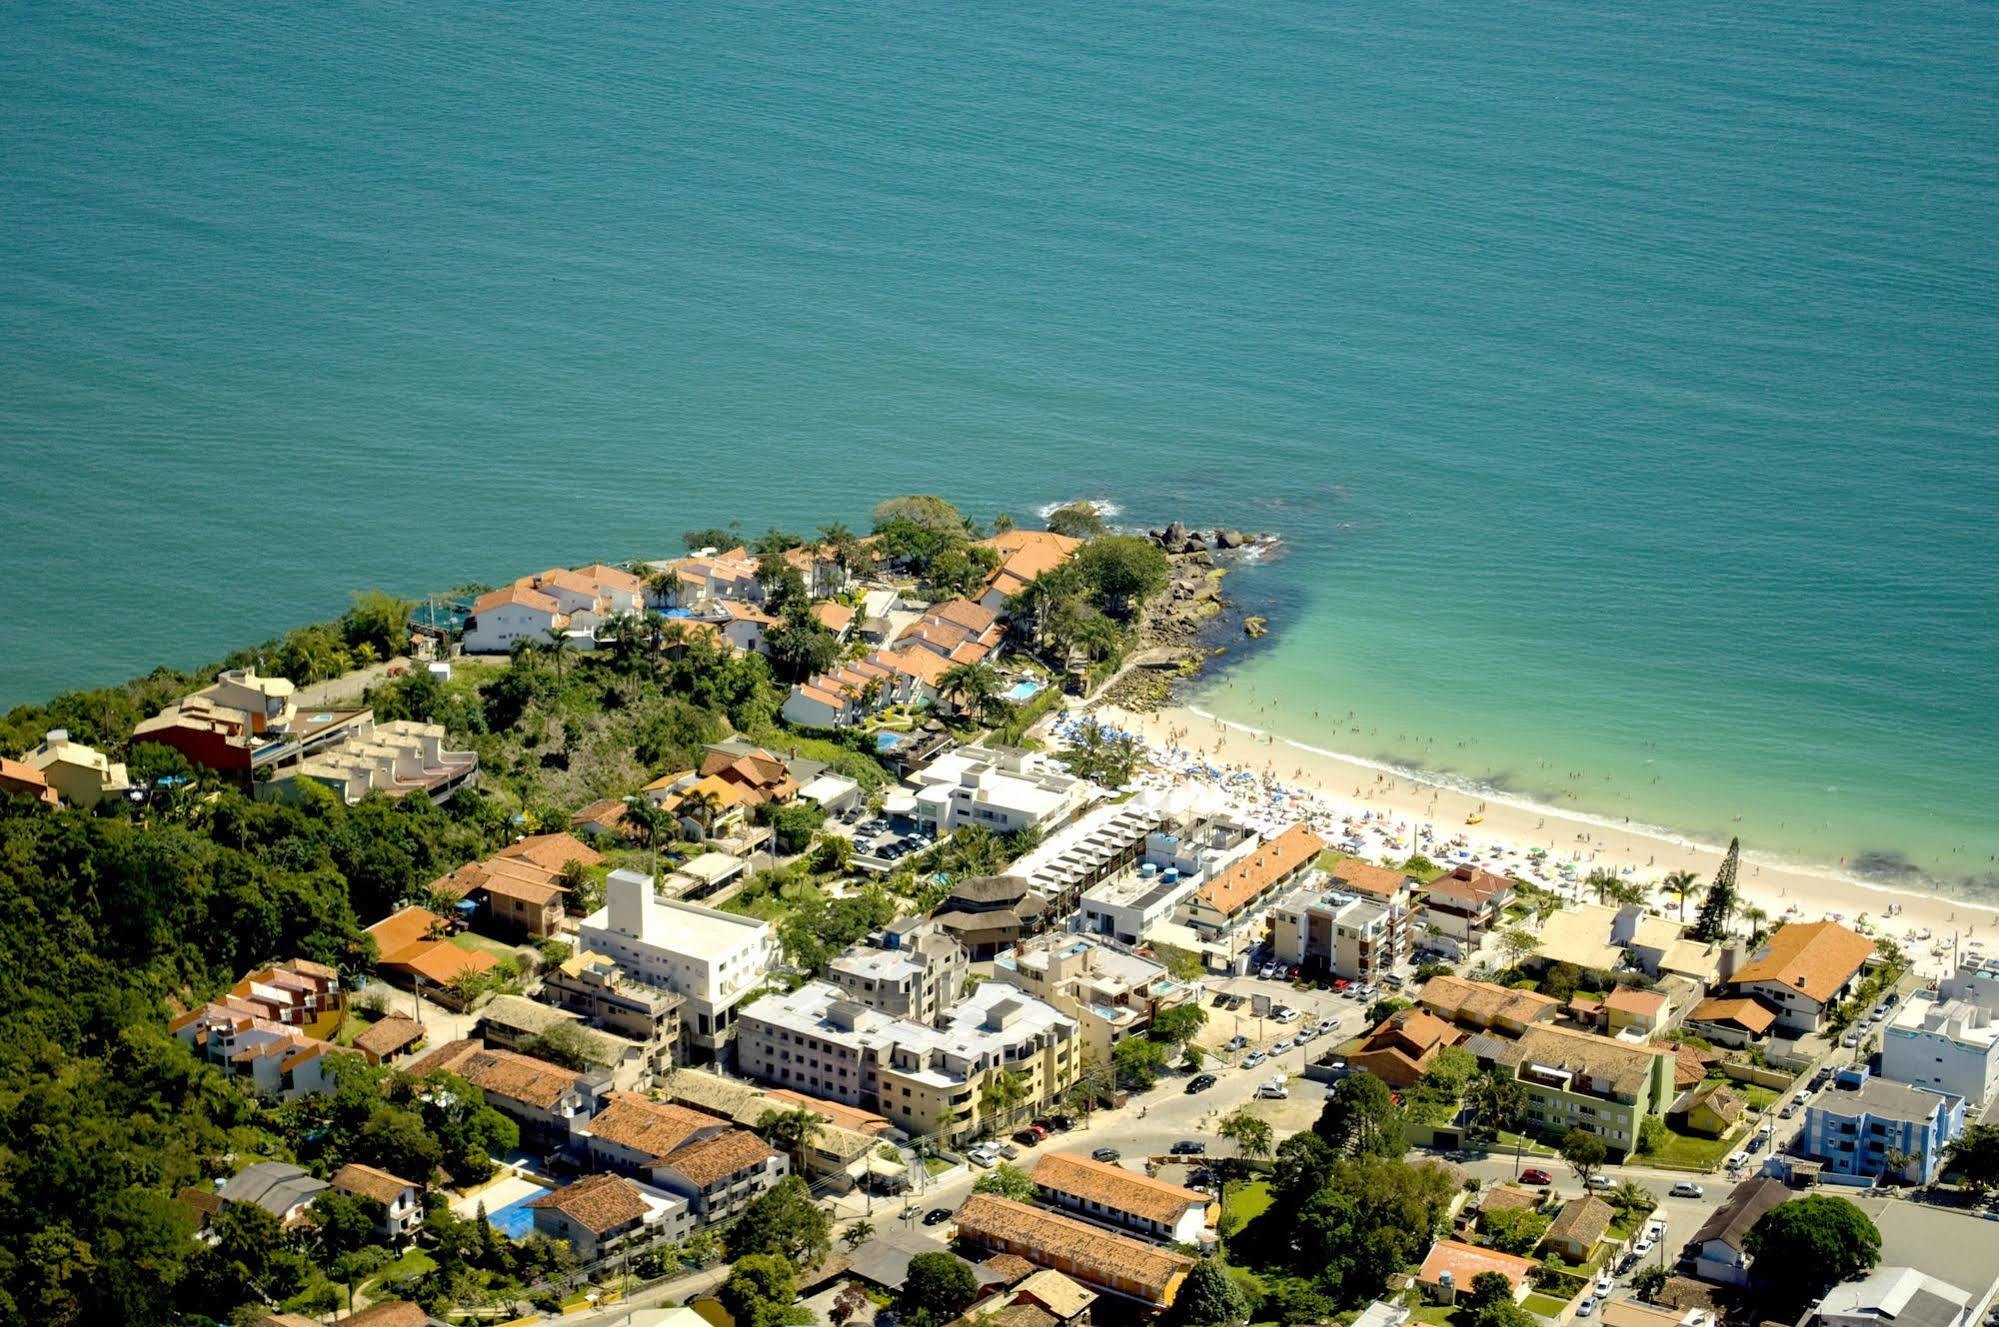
pixel 1247 1202
pixel 1529 1147
pixel 1691 1152
pixel 484 945
pixel 1545 1305
pixel 1437 1315
pixel 415 1262
pixel 1758 1097
pixel 936 1165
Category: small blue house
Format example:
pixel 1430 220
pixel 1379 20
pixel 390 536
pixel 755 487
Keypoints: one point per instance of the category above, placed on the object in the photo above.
pixel 1868 1127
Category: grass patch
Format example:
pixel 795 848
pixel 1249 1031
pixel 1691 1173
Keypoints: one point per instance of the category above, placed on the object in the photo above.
pixel 1506 1143
pixel 936 1165
pixel 481 944
pixel 1547 1306
pixel 1692 1152
pixel 1758 1096
pixel 1247 1202
pixel 1437 1315
pixel 414 1262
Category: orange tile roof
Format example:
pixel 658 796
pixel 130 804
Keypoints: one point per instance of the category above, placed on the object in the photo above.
pixel 713 1160
pixel 27 780
pixel 836 618
pixel 562 578
pixel 405 929
pixel 519 1078
pixel 1465 1261
pixel 1751 1014
pixel 1816 958
pixel 915 662
pixel 510 595
pixel 1483 1001
pixel 1365 878
pixel 1584 1220
pixel 1115 1187
pixel 1631 1000
pixel 1083 1251
pixel 552 852
pixel 536 894
pixel 1025 554
pixel 612 577
pixel 649 1127
pixel 1263 867
pixel 598 1203
pixel 964 613
pixel 368 1182
pixel 389 1035
pixel 388 1313
pixel 847 1117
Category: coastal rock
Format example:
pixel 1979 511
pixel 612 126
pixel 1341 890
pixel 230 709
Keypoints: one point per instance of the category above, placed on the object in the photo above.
pixel 1255 627
pixel 1202 559
pixel 1194 544
pixel 1175 538
pixel 1228 539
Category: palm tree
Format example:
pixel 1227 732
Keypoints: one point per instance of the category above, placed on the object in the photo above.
pixel 971 684
pixel 791 1131
pixel 558 641
pixel 1602 881
pixel 1002 1095
pixel 651 822
pixel 1755 916
pixel 1253 1140
pixel 665 587
pixel 1680 884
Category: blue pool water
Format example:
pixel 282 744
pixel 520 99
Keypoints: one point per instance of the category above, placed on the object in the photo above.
pixel 887 741
pixel 1023 691
pixel 515 1220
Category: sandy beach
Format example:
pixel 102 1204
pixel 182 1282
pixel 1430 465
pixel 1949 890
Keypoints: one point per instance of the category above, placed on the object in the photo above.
pixel 1395 812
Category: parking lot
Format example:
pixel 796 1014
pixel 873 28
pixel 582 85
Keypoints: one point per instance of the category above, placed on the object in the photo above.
pixel 879 846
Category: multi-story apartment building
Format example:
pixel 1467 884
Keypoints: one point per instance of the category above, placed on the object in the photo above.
pixel 1862 1125
pixel 917 972
pixel 1328 932
pixel 925 1079
pixel 1226 908
pixel 1948 1046
pixel 592 987
pixel 1390 887
pixel 711 959
pixel 1109 992
pixel 1577 1080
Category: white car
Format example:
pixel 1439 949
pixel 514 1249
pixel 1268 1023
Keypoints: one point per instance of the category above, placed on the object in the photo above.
pixel 1603 1285
pixel 1685 1189
pixel 1280 1047
pixel 1287 1015
pixel 1273 1091
pixel 1254 1058
pixel 1643 1246
pixel 1587 1307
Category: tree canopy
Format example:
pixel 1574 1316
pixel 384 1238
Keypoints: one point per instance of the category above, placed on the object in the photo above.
pixel 1805 1245
pixel 936 1289
pixel 783 1220
pixel 1360 1117
pixel 1207 1298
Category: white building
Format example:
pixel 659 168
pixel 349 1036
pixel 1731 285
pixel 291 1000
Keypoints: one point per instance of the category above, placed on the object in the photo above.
pixel 509 615
pixel 1109 992
pixel 1329 931
pixel 1976 980
pixel 1950 1046
pixel 712 959
pixel 1135 862
pixel 924 1078
pixel 1003 790
pixel 399 757
pixel 919 973
pixel 1890 1295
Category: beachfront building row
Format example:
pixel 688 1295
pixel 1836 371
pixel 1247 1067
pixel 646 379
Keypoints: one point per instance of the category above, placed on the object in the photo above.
pixel 1226 911
pixel 1001 789
pixel 924 1078
pixel 711 959
pixel 1947 1046
pixel 1132 864
pixel 909 672
pixel 557 602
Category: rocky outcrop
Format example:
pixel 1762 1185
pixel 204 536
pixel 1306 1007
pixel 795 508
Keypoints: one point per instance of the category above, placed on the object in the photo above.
pixel 1178 541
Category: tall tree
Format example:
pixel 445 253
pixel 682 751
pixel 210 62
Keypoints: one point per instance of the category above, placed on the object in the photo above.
pixel 782 1220
pixel 1207 1298
pixel 1360 1117
pixel 792 1132
pixel 1719 906
pixel 1804 1246
pixel 1585 1153
pixel 1681 885
pixel 935 1289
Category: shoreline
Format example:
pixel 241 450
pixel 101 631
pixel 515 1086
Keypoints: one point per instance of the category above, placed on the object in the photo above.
pixel 1389 799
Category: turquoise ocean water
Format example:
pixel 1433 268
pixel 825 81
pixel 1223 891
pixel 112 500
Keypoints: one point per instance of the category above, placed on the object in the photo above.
pixel 1623 379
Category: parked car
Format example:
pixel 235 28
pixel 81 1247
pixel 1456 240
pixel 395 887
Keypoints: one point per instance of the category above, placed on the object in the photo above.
pixel 1254 1058
pixel 1601 1183
pixel 1685 1189
pixel 1190 1147
pixel 1237 1001
pixel 1850 1039
pixel 1200 1083
pixel 1027 1138
pixel 1009 1151
pixel 1587 1307
pixel 1286 1014
pixel 1281 1047
pixel 1105 1154
pixel 1604 1281
pixel 1061 1123
pixel 1221 998
pixel 1642 1247
pixel 936 1216
pixel 1791 1109
pixel 1274 1092
pixel 1236 1043
pixel 983 1160
pixel 1535 1175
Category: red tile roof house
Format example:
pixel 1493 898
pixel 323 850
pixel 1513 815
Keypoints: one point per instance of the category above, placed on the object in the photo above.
pixel 542 1098
pixel 632 1132
pixel 1450 1266
pixel 721 1175
pixel 401 1200
pixel 599 1212
pixel 1803 971
pixel 414 953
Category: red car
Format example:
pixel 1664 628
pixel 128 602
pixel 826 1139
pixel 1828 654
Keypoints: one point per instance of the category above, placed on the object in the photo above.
pixel 1534 1175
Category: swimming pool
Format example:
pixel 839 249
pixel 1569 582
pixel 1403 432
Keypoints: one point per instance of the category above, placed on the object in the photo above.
pixel 515 1220
pixel 886 742
pixel 1023 691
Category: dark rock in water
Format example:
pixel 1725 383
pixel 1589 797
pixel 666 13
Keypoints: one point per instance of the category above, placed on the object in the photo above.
pixel 1175 538
pixel 1228 539
pixel 1194 544
pixel 1255 627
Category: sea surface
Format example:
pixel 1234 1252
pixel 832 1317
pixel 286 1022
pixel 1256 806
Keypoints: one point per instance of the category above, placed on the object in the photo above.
pixel 1623 379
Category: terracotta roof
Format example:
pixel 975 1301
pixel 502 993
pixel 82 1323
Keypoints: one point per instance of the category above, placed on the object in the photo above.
pixel 1690 1066
pixel 552 852
pixel 834 1112
pixel 598 1203
pixel 1465 1261
pixel 713 1160
pixel 389 1035
pixel 1093 1256
pixel 1506 1198
pixel 1631 1000
pixel 836 618
pixel 1753 1015
pixel 1115 1187
pixel 401 943
pixel 519 1078
pixel 746 612
pixel 1401 1047
pixel 368 1182
pixel 964 613
pixel 1263 867
pixel 606 811
pixel 1468 885
pixel 648 1127
pixel 1727 1106
pixel 509 595
pixel 1025 554
pixel 1009 1267
pixel 204 1203
pixel 1484 1002
pixel 562 578
pixel 1583 1220
pixel 1816 958
pixel 1365 878
pixel 1742 1209
pixel 389 1313
pixel 535 894
pixel 612 577
pixel 1620 1063
pixel 916 662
